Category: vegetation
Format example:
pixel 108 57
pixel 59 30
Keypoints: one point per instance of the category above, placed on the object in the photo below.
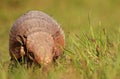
pixel 92 32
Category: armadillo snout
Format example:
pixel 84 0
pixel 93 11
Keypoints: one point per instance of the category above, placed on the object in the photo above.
pixel 41 45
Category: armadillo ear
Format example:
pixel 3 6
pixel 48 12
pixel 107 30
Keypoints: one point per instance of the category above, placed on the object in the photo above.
pixel 20 39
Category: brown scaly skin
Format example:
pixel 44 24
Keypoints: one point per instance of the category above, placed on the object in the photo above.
pixel 37 36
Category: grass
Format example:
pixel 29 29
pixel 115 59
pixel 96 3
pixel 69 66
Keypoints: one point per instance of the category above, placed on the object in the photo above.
pixel 84 57
pixel 92 39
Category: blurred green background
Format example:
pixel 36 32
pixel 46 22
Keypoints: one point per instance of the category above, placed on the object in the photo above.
pixel 74 16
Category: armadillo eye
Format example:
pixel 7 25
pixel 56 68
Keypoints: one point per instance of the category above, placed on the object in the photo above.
pixel 24 36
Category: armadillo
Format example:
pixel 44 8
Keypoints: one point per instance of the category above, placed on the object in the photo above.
pixel 37 36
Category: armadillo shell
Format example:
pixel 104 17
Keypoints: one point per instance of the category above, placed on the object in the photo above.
pixel 29 26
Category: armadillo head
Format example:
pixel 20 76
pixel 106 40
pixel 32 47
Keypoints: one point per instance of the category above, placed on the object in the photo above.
pixel 41 45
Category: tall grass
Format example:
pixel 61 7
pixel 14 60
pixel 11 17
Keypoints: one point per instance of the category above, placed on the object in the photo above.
pixel 84 57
